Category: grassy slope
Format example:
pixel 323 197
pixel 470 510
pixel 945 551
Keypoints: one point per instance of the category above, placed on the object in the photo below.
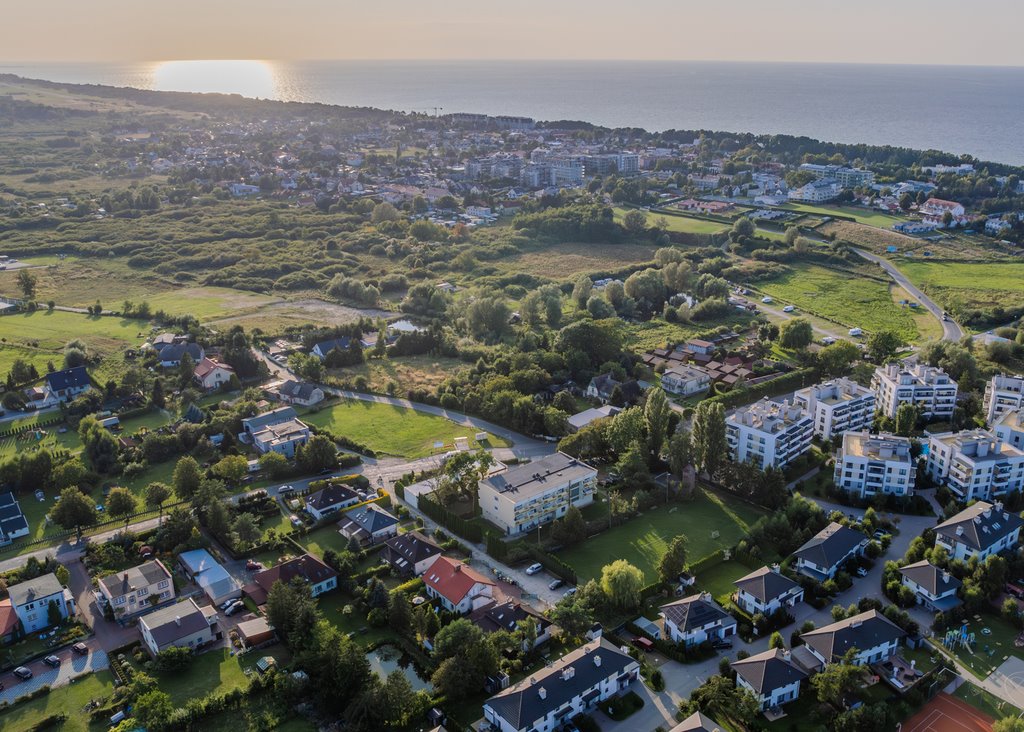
pixel 969 284
pixel 684 224
pixel 861 215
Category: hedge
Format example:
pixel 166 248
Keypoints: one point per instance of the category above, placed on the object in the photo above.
pixel 552 563
pixel 452 522
pixel 789 382
pixel 716 557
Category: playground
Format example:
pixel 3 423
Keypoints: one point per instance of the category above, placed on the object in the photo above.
pixel 982 643
pixel 945 713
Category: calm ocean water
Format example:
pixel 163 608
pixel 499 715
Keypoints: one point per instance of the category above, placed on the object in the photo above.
pixel 975 110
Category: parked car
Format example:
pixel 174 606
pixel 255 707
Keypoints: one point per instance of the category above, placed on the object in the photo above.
pixel 861 572
pixel 721 645
pixel 228 603
pixel 236 607
pixel 534 568
pixel 789 308
pixel 52 661
pixel 828 340
pixel 766 299
pixel 570 592
pixel 286 489
pixel 23 673
pixel 555 584
pixel 878 534
pixel 856 331
pixel 253 566
pixel 80 648
pixel 296 521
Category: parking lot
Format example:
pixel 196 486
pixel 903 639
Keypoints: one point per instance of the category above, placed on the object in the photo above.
pixel 71 666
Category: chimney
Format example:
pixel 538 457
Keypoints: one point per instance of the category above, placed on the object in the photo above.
pixel 177 620
pixel 597 661
pixel 542 693
pixel 959 530
pixel 568 672
pixel 945 577
pixel 458 567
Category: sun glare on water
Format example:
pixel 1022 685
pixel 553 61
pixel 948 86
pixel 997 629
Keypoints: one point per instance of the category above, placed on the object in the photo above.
pixel 248 78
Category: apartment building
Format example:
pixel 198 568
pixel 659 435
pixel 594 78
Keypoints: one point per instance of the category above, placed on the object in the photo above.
pixel 1009 428
pixel 846 177
pixel 837 406
pixel 1003 394
pixel 929 387
pixel 685 380
pixel 980 530
pixel 817 191
pixel 867 465
pixel 975 464
pixel 769 434
pixel 527 496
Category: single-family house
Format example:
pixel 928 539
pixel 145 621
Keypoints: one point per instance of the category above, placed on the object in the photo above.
pixel 251 425
pixel 826 552
pixel 693 620
pixel 333 497
pixel 411 553
pixel 321 349
pixel 980 530
pixel 212 374
pixel 568 687
pixel 182 625
pixel 874 637
pixel 767 591
pixel 33 599
pixel 934 588
pixel 13 524
pixel 137 589
pixel 581 419
pixel 602 387
pixel 300 392
pixel 506 615
pixel 10 626
pixel 370 524
pixel 698 722
pixel 685 380
pixel 172 354
pixel 320 577
pixel 200 567
pixel 67 384
pixel 282 437
pixel 770 676
pixel 457 586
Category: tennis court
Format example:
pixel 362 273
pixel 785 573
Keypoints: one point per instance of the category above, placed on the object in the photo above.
pixel 945 713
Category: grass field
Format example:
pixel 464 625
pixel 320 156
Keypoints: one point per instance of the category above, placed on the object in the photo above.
pixel 575 258
pixel 847 299
pixel 409 372
pixel 985 702
pixel 656 333
pixel 969 284
pixel 644 539
pixel 718 579
pixel 70 700
pixel 683 224
pixel 999 642
pixel 392 430
pixel 861 215
pixel 49 331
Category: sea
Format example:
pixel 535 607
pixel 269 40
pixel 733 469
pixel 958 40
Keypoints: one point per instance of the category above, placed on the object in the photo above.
pixel 971 110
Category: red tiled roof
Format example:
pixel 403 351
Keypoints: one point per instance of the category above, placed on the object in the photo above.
pixel 8 618
pixel 207 366
pixel 452 580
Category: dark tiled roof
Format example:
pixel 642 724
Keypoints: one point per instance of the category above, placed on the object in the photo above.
pixel 307 566
pixel 74 378
pixel 177 352
pixel 325 347
pixel 765 584
pixel 175 621
pixel 768 671
pixel 694 612
pixel 371 518
pixel 332 495
pixel 830 545
pixel 930 577
pixel 297 389
pixel 503 616
pixel 129 580
pixel 862 632
pixel 982 525
pixel 12 520
pixel 410 548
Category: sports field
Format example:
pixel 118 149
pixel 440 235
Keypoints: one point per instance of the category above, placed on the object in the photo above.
pixel 945 713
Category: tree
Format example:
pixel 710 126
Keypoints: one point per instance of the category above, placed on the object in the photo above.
pixel 572 618
pixel 464 658
pixel 571 528
pixel 74 510
pixel 27 284
pixel 883 345
pixel 673 562
pixel 247 529
pixel 320 453
pixel 1008 724
pixel 796 334
pixel 232 469
pixel 743 227
pixel 622 582
pixel 680 452
pixel 835 358
pixel 293 612
pixel 400 613
pixel 709 443
pixel 581 291
pixel 906 419
pixel 153 710
pixel 635 222
pixel 836 680
pixel 121 503
pixel 187 478
pixel 274 464
pixel 383 212
pixel 776 641
pixel 156 397
pixel 156 495
pixel 656 415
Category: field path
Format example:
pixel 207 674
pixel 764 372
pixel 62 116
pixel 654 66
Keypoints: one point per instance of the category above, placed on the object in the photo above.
pixel 950 330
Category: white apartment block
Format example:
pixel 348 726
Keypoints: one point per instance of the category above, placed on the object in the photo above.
pixel 1009 428
pixel 846 177
pixel 975 464
pixel 527 496
pixel 868 465
pixel 926 386
pixel 1003 394
pixel 768 433
pixel 980 530
pixel 837 406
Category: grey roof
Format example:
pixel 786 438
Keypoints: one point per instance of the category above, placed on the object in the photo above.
pixel 768 671
pixel 862 632
pixel 274 416
pixel 539 475
pixel 765 584
pixel 371 518
pixel 297 389
pixel 327 346
pixel 830 545
pixel 177 351
pixel 695 612
pixel 930 577
pixel 698 722
pixel 74 378
pixel 521 705
pixel 34 589
pixel 408 549
pixel 582 419
pixel 332 495
pixel 175 621
pixel 12 520
pixel 983 525
pixel 197 561
pixel 504 616
pixel 129 580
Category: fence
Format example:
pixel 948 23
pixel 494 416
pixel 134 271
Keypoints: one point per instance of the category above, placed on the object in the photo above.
pixel 783 384
pixel 22 429
pixel 466 529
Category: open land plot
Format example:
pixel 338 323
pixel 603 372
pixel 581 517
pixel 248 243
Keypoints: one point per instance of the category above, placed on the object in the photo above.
pixel 69 699
pixel 718 579
pixel 861 215
pixel 957 247
pixel 847 299
pixel 392 430
pixel 656 333
pixel 967 285
pixel 51 330
pixel 275 316
pixel 563 261
pixel 677 222
pixel 407 372
pixel 644 539
pixel 929 328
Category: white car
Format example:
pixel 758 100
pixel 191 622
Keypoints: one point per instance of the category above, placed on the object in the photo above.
pixel 766 299
pixel 789 308
pixel 534 568
pixel 856 331
pixel 828 340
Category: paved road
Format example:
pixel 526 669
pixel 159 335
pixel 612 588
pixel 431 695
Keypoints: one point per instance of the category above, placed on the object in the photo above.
pixel 71 550
pixel 72 665
pixel 950 330
pixel 836 332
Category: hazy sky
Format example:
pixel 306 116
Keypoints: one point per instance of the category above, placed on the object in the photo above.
pixel 893 31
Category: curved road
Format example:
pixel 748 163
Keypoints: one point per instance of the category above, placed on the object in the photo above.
pixel 950 330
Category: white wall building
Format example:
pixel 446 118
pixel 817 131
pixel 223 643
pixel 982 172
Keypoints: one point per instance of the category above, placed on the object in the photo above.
pixel 685 380
pixel 768 433
pixel 867 465
pixel 1009 428
pixel 980 530
pixel 770 676
pixel 767 591
pixel 926 386
pixel 837 406
pixel 1003 394
pixel 695 619
pixel 933 587
pixel 874 637
pixel 137 589
pixel 975 464
pixel 182 625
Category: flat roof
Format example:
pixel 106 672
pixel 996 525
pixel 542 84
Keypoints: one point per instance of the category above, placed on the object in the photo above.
pixel 540 475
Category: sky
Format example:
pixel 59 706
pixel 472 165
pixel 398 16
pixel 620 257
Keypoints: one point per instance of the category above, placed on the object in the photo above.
pixel 983 32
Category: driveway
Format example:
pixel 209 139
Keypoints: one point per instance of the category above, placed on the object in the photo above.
pixel 109 634
pixel 950 330
pixel 72 666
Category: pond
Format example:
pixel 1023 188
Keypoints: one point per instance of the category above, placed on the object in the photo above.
pixel 386 659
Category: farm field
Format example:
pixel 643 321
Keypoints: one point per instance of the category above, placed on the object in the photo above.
pixel 644 539
pixel 967 285
pixel 847 299
pixel 391 430
pixel 861 215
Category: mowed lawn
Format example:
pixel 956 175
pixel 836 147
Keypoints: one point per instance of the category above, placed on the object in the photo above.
pixel 848 299
pixel 861 215
pixel 70 700
pixel 392 430
pixel 708 522
pixel 969 284
pixel 683 224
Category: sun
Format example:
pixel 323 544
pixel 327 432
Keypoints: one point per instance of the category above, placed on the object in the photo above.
pixel 248 78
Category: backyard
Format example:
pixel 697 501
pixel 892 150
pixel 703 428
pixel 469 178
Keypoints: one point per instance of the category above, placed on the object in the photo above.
pixel 860 215
pixel 708 522
pixel 392 430
pixel 70 700
pixel 718 579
